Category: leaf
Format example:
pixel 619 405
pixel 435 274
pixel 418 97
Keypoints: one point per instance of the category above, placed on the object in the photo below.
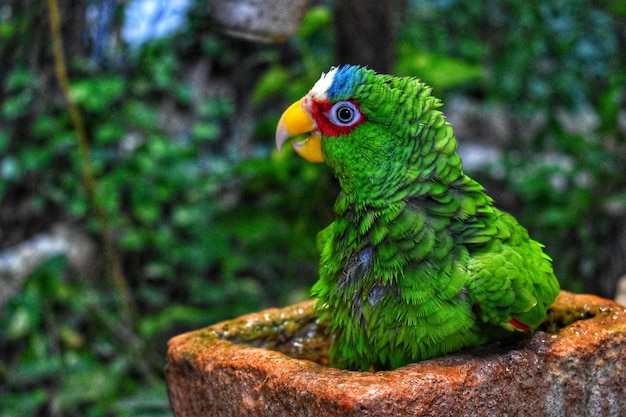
pixel 87 381
pixel 20 79
pixel 148 401
pixel 110 133
pixel 20 323
pixel 98 94
pixel 206 131
pixel 440 71
pixel 4 141
pixel 315 19
pixel 151 326
pixel 272 82
pixel 27 403
pixel 141 114
pixel 17 104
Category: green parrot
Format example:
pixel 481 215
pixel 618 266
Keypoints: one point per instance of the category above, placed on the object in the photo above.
pixel 418 262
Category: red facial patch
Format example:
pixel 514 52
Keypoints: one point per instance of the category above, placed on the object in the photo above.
pixel 320 111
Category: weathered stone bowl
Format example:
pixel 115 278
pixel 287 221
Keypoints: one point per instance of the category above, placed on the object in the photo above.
pixel 272 364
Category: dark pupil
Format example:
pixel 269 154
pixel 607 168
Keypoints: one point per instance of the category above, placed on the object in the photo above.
pixel 345 114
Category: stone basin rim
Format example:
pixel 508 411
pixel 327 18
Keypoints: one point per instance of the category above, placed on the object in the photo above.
pixel 222 334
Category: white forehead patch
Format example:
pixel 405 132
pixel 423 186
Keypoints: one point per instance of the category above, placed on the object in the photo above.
pixel 322 85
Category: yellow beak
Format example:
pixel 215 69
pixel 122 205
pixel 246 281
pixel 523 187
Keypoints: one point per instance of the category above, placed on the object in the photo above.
pixel 294 122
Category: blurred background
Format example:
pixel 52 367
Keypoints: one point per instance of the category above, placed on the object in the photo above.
pixel 174 211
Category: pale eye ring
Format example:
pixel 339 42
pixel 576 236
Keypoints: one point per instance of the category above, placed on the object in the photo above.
pixel 344 113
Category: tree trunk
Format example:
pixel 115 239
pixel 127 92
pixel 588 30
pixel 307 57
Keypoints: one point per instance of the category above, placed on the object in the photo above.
pixel 366 33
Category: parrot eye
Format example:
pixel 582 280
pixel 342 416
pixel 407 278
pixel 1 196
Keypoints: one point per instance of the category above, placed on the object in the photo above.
pixel 344 113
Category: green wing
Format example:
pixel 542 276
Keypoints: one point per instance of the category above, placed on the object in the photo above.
pixel 511 281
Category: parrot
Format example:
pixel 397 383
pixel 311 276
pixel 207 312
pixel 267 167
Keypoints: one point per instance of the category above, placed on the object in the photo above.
pixel 418 262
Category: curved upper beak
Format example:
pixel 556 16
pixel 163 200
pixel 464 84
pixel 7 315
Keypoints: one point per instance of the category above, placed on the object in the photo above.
pixel 294 122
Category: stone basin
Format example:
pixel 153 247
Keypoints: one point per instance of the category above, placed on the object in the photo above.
pixel 272 363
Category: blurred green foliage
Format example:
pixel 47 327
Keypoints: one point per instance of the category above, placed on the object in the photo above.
pixel 205 234
pixel 210 226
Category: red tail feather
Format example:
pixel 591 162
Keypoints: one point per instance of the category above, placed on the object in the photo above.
pixel 519 325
